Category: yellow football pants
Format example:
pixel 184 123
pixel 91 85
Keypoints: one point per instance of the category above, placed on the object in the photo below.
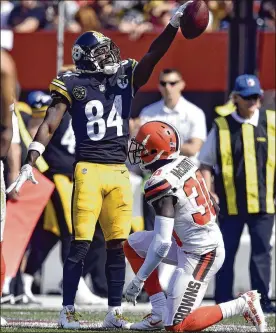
pixel 103 192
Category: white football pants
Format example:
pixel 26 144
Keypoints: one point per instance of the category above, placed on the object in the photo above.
pixel 190 280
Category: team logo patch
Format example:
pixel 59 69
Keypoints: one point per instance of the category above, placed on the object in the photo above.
pixel 122 81
pixel 79 93
pixel 250 82
pixel 102 87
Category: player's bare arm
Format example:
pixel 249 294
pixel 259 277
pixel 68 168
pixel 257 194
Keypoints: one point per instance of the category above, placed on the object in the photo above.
pixel 165 206
pixel 44 134
pixel 48 127
pixel 8 78
pixel 157 50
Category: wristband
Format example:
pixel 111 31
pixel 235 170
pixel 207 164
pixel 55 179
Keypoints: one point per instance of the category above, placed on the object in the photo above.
pixel 35 145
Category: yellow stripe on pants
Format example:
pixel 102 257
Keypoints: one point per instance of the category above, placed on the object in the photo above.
pixel 270 163
pixel 251 174
pixel 227 165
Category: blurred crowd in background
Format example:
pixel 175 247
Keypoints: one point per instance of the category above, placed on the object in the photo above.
pixel 132 17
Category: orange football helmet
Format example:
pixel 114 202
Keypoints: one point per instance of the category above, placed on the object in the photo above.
pixel 155 140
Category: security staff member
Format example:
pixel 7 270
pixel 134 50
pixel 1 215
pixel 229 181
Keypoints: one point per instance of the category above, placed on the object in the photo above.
pixel 240 149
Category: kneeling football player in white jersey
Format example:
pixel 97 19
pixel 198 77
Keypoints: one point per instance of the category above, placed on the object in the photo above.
pixel 185 234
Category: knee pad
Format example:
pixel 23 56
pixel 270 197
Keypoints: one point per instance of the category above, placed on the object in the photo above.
pixel 78 251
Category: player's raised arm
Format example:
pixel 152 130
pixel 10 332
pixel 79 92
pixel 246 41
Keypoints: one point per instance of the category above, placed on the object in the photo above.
pixel 157 50
pixel 44 134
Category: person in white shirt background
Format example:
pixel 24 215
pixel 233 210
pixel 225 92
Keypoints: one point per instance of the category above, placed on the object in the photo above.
pixel 174 109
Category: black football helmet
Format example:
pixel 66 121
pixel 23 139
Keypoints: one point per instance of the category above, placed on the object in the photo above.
pixel 93 52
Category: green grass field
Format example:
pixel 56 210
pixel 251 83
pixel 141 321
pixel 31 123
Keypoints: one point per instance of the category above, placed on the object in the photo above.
pixel 46 321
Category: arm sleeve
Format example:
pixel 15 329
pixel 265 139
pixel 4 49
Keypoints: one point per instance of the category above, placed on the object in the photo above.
pixel 159 247
pixel 208 152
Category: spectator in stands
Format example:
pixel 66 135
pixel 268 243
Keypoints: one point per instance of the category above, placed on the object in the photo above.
pixel 106 14
pixel 6 8
pixel 221 13
pixel 27 16
pixel 175 109
pixel 70 10
pixel 240 149
pixel 87 19
pixel 133 22
pixel 267 15
pixel 159 12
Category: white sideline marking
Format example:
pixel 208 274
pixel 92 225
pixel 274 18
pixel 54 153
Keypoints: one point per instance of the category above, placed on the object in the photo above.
pixel 85 325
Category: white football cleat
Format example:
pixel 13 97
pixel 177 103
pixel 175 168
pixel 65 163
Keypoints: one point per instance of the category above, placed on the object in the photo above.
pixel 69 318
pixel 27 285
pixel 84 295
pixel 3 322
pixel 252 310
pixel 115 319
pixel 150 322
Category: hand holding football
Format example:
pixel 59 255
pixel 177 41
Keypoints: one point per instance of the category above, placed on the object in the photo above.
pixel 195 19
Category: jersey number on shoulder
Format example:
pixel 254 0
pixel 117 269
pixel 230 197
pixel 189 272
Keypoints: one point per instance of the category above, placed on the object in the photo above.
pixel 202 198
pixel 96 126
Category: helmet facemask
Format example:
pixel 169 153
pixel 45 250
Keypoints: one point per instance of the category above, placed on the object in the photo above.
pixel 155 141
pixel 104 58
pixel 138 152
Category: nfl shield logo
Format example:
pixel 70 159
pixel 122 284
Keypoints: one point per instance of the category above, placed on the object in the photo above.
pixel 102 87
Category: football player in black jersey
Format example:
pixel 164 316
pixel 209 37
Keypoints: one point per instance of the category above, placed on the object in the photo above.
pixel 55 222
pixel 98 96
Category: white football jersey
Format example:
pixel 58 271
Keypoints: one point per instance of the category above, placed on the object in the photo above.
pixel 195 226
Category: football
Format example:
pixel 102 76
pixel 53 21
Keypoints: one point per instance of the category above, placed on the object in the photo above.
pixel 195 19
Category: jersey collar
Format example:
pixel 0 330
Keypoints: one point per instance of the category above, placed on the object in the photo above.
pixel 254 120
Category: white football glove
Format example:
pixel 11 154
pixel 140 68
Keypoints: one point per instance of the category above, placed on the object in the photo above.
pixel 26 173
pixel 175 20
pixel 133 290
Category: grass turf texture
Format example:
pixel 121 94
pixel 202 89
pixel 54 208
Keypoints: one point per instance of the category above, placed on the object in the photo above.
pixel 46 321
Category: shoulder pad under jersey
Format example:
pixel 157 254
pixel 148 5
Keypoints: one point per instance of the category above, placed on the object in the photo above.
pixel 58 85
pixel 168 179
pixel 129 63
pixel 156 187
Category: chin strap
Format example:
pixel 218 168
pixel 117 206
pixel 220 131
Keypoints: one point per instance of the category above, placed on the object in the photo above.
pixel 110 70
